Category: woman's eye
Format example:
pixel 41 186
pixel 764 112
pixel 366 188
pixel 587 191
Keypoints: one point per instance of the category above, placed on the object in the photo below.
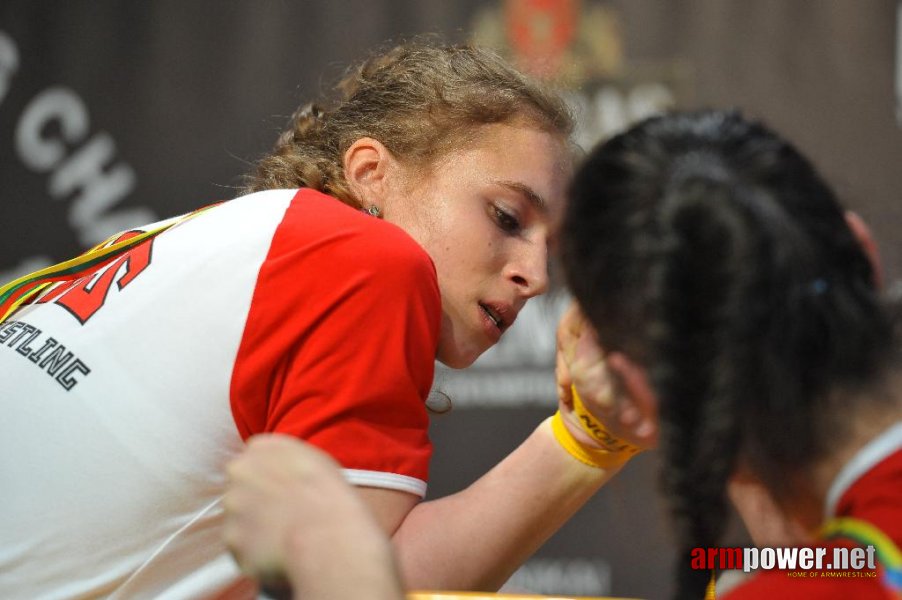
pixel 506 222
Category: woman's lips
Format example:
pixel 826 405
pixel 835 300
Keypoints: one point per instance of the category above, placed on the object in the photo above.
pixel 497 317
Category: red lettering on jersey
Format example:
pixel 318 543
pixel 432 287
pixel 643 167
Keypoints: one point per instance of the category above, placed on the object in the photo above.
pixel 55 293
pixel 85 296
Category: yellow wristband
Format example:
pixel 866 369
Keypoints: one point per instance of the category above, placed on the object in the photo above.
pixel 597 430
pixel 594 457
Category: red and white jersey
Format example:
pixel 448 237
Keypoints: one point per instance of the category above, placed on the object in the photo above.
pixel 125 393
pixel 869 488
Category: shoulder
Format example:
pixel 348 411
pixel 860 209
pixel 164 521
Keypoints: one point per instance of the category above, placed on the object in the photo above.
pixel 352 236
pixel 266 200
pixel 234 222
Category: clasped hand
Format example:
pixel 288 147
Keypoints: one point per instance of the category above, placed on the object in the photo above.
pixel 613 388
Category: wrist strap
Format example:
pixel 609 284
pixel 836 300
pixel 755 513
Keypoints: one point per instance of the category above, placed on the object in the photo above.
pixel 598 431
pixel 594 457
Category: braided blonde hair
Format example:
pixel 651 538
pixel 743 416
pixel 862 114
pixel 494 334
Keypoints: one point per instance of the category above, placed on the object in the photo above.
pixel 419 100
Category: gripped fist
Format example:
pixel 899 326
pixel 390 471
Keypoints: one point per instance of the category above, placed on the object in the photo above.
pixel 285 500
pixel 613 388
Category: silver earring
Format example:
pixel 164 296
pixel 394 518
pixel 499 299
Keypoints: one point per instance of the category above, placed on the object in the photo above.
pixel 373 210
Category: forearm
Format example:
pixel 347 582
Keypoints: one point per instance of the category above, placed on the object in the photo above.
pixel 293 522
pixel 475 539
pixel 346 562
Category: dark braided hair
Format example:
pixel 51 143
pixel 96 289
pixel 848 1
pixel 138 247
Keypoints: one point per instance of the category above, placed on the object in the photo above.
pixel 420 100
pixel 708 250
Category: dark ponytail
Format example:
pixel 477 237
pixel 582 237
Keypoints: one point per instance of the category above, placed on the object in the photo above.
pixel 708 250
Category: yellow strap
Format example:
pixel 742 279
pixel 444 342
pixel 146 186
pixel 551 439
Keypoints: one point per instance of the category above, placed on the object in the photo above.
pixel 594 457
pixel 597 430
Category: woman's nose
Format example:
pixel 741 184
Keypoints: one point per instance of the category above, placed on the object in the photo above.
pixel 529 270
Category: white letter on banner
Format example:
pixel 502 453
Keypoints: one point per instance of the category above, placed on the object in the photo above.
pixel 9 63
pixel 40 152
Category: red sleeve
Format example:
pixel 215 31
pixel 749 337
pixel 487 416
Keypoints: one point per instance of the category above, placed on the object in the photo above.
pixel 340 340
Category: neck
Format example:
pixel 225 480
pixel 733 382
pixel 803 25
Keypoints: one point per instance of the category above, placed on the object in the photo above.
pixel 829 478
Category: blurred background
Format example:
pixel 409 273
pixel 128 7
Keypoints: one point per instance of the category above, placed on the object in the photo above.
pixel 115 114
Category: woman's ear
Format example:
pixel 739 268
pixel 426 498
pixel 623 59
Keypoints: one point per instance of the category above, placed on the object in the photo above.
pixel 367 165
pixel 862 233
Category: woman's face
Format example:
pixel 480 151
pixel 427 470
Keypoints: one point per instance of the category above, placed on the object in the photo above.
pixel 485 214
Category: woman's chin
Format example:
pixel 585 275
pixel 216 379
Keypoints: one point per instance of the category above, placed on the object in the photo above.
pixel 456 362
pixel 459 358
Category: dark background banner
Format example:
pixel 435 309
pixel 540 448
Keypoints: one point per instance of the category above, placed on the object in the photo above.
pixel 114 114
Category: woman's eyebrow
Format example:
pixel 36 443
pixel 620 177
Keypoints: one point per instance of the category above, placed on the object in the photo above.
pixel 527 192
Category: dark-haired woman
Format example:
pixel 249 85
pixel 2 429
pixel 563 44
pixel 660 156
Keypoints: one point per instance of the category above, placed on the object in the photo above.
pixel 738 306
